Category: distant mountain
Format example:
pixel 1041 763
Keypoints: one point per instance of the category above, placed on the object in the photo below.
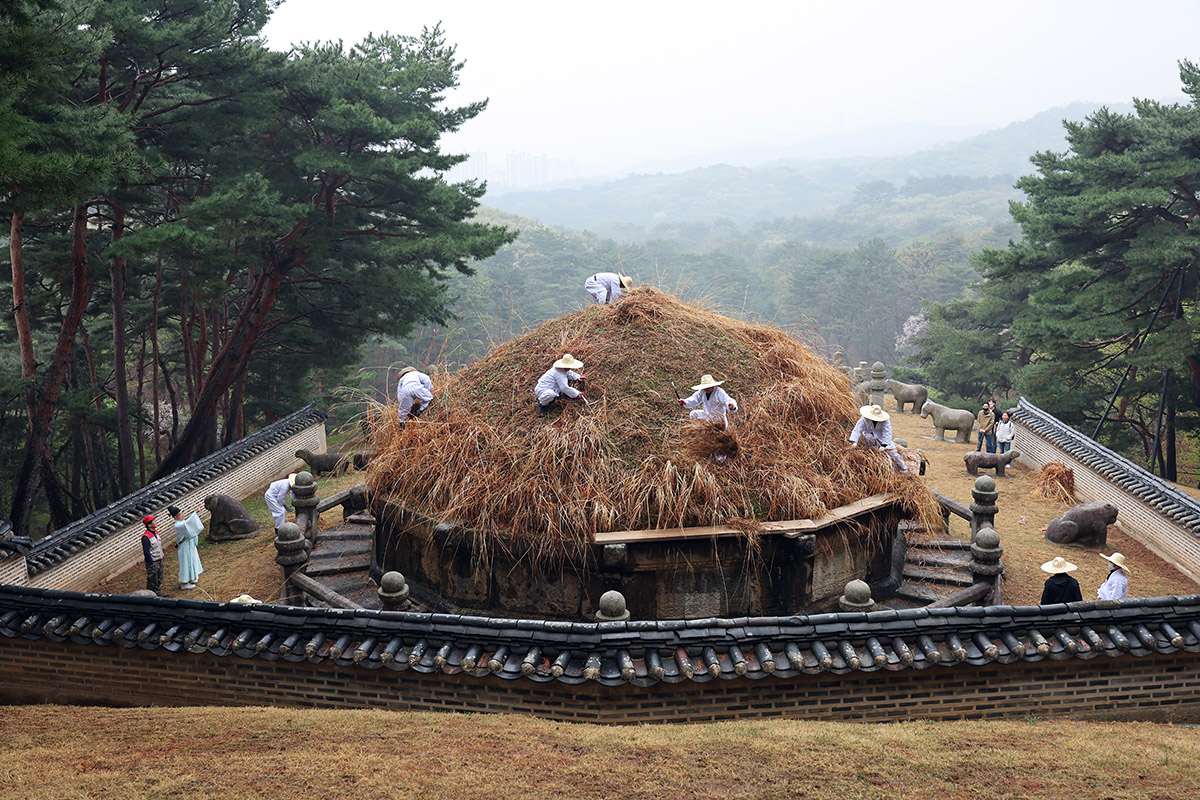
pixel 631 208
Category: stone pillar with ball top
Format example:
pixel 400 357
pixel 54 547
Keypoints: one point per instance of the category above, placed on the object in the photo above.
pixel 878 384
pixel 291 554
pixel 983 510
pixel 393 592
pixel 612 607
pixel 305 500
pixel 857 597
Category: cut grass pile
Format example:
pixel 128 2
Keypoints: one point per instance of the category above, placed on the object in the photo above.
pixel 1055 481
pixel 482 456
pixel 234 754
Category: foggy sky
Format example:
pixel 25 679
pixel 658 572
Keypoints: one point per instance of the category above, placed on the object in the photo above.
pixel 650 85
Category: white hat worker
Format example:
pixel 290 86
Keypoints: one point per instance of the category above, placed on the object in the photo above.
pixel 568 361
pixel 874 413
pixel 1117 560
pixel 1059 564
pixel 707 382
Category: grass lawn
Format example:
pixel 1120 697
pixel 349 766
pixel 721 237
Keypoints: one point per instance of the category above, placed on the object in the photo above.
pixel 1021 519
pixel 69 752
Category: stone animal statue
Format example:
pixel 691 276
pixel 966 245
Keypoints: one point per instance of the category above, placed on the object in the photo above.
pixel 230 520
pixel 989 460
pixel 1085 525
pixel 323 463
pixel 362 458
pixel 862 393
pixel 906 393
pixel 949 419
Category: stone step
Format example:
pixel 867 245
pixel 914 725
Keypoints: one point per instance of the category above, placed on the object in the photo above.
pixel 919 592
pixel 344 534
pixel 361 518
pixel 336 566
pixel 955 559
pixel 337 549
pixel 936 576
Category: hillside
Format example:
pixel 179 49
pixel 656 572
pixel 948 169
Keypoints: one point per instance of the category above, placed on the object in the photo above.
pixel 632 207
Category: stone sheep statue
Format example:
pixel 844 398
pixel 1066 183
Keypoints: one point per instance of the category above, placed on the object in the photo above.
pixel 989 460
pixel 949 419
pixel 1085 525
pixel 906 393
pixel 323 463
pixel 230 520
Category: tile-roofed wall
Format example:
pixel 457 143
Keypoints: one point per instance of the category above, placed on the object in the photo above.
pixel 1151 510
pixel 107 542
pixel 635 654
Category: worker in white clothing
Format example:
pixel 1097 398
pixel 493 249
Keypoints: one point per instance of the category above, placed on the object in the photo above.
pixel 555 382
pixel 710 401
pixel 606 287
pixel 1116 586
pixel 276 495
pixel 874 429
pixel 414 392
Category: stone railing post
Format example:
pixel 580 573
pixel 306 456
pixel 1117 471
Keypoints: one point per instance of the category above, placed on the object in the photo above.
pixel 983 510
pixel 393 592
pixel 612 607
pixel 291 554
pixel 856 597
pixel 986 552
pixel 861 372
pixel 878 383
pixel 305 500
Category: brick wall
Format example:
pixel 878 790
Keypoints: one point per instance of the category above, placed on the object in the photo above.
pixel 122 548
pixel 1159 688
pixel 1169 540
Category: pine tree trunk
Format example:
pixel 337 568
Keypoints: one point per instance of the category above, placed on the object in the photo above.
pixel 42 402
pixel 227 367
pixel 116 268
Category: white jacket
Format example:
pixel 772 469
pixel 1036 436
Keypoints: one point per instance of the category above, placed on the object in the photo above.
pixel 713 408
pixel 1004 431
pixel 604 287
pixel 414 387
pixel 553 383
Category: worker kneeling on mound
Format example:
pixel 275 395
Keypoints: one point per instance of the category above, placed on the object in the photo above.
pixel 874 429
pixel 555 382
pixel 712 403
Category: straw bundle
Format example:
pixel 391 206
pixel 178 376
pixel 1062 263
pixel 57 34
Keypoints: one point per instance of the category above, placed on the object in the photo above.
pixel 1054 481
pixel 482 456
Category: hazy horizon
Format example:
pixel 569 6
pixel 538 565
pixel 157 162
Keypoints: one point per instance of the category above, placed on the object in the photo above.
pixel 670 85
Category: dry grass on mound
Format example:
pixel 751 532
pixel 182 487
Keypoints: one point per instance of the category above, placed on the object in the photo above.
pixel 482 456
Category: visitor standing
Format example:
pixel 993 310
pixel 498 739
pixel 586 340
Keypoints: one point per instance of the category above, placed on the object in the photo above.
pixel 152 552
pixel 555 382
pixel 606 287
pixel 987 429
pixel 187 537
pixel 874 429
pixel 1004 433
pixel 710 401
pixel 414 392
pixel 276 495
pixel 1116 586
pixel 1060 587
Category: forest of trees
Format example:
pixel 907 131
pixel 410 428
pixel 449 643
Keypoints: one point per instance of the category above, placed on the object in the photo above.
pixel 204 232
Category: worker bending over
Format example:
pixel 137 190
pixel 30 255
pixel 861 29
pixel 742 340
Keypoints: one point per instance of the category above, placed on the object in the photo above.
pixel 414 392
pixel 712 403
pixel 874 429
pixel 606 287
pixel 555 382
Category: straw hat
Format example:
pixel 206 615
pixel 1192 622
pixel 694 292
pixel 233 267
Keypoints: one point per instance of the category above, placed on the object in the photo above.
pixel 1116 559
pixel 1059 564
pixel 874 413
pixel 707 382
pixel 568 361
pixel 626 281
pixel 404 372
pixel 292 479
